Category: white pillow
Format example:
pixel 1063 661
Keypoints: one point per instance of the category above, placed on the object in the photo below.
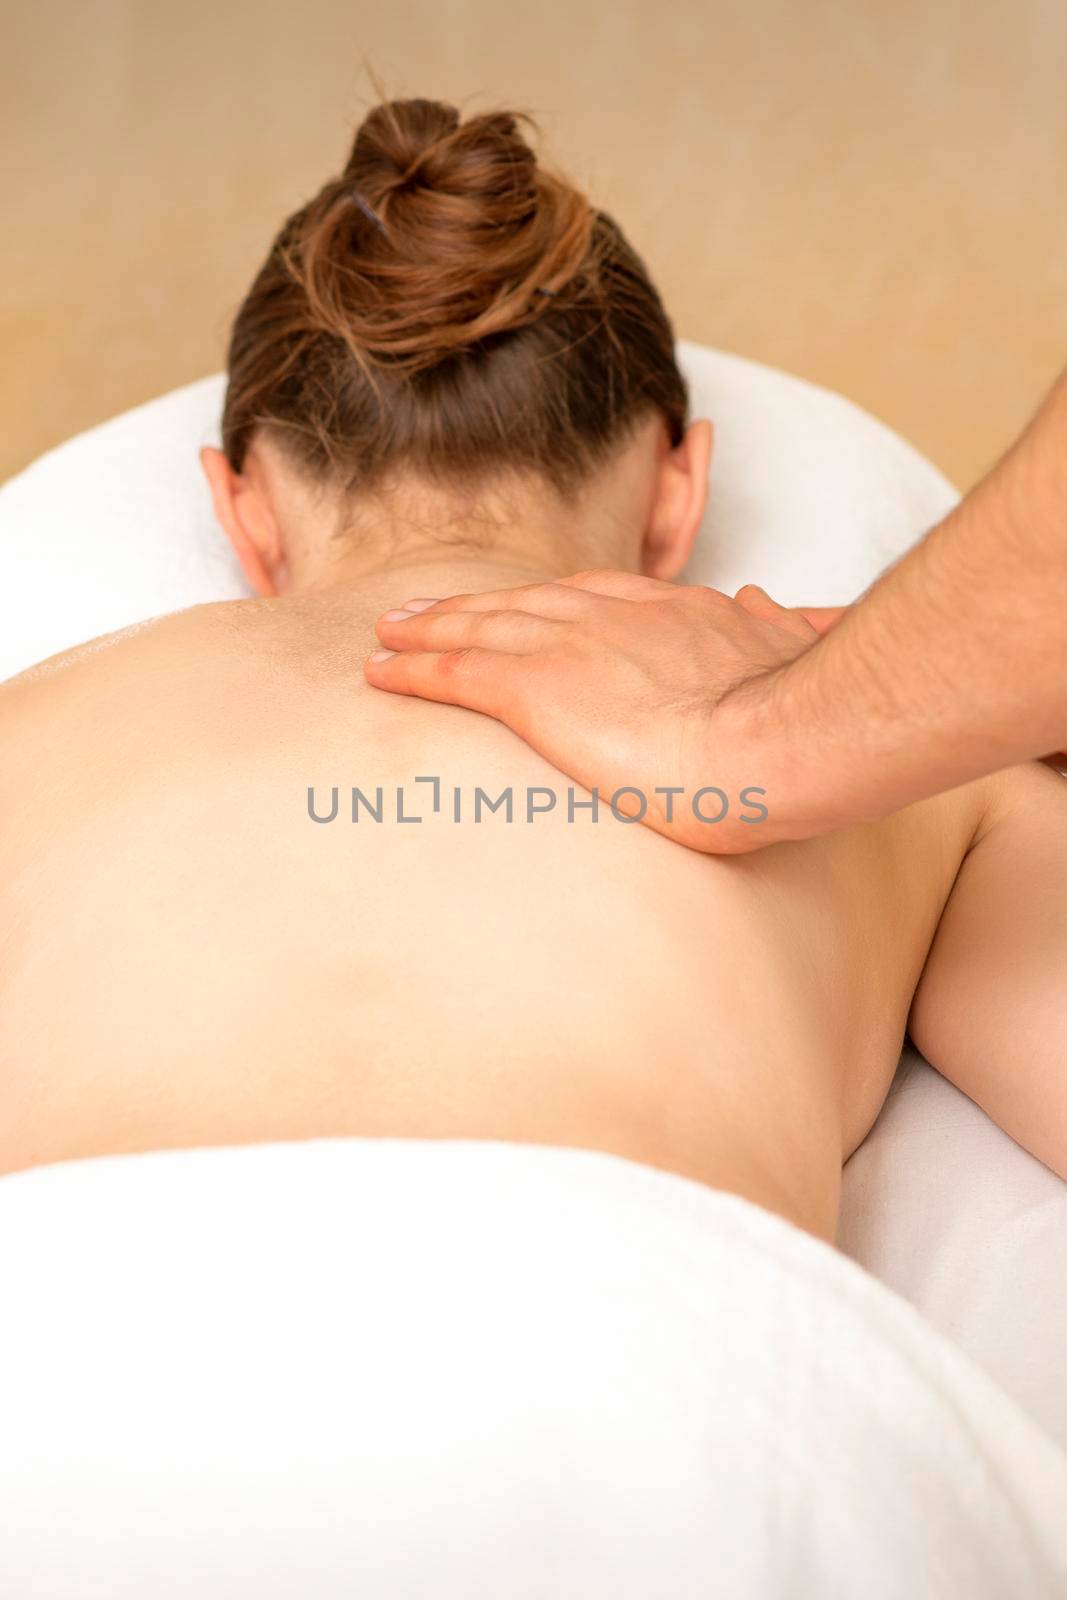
pixel 809 496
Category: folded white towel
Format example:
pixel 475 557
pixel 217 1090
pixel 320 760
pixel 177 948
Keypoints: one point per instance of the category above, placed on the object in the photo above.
pixel 454 1369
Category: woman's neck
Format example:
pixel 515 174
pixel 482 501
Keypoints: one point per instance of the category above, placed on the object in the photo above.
pixel 421 578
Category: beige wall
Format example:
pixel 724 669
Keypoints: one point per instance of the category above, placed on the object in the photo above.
pixel 870 192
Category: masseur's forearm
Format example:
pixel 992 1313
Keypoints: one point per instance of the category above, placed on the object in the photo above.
pixel 954 664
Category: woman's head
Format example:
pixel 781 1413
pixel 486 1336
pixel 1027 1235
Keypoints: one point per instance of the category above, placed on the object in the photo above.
pixel 450 317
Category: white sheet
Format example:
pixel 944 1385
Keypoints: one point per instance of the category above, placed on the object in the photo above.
pixel 402 1369
pixel 944 1207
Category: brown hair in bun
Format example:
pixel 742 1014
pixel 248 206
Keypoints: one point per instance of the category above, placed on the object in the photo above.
pixel 451 307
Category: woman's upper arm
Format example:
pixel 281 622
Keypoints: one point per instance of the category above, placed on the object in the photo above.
pixel 990 1010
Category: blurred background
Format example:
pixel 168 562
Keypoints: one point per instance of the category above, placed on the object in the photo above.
pixel 870 193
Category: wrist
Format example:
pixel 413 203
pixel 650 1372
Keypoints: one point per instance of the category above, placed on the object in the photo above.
pixel 760 723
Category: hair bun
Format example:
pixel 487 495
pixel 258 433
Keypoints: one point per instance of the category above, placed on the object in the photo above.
pixel 405 145
pixel 394 139
pixel 470 227
pixel 396 326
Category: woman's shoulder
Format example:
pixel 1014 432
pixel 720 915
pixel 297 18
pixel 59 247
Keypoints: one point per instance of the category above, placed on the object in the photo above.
pixel 117 688
pixel 126 644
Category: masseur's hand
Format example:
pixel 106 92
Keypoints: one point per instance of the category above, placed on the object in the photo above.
pixel 952 665
pixel 622 682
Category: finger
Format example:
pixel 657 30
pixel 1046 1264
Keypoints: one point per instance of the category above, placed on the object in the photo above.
pixel 758 603
pixel 541 599
pixel 822 618
pixel 515 632
pixel 620 585
pixel 481 680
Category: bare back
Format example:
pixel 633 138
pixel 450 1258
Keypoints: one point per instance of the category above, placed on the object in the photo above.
pixel 188 957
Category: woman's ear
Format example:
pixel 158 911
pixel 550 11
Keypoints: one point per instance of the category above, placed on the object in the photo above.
pixel 244 512
pixel 678 504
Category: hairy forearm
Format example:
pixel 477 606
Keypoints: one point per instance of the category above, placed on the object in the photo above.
pixel 954 664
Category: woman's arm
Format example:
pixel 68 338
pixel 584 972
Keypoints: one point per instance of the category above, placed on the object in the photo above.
pixel 990 1011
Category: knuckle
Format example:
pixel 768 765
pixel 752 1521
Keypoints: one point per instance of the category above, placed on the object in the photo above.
pixel 506 627
pixel 453 602
pixel 566 600
pixel 487 626
pixel 453 663
pixel 705 595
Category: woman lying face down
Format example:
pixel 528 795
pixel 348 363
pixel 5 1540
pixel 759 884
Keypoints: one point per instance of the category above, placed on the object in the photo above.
pixel 451 373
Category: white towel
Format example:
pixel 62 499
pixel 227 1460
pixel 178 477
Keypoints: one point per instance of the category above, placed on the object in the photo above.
pixel 456 1369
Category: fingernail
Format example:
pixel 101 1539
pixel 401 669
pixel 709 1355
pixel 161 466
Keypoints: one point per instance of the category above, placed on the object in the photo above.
pixel 396 616
pixel 418 605
pixel 382 655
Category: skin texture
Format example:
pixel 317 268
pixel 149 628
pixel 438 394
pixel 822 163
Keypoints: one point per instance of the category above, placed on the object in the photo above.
pixel 187 958
pixel 953 665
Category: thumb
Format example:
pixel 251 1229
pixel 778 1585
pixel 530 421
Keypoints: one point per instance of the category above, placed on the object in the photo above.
pixel 822 618
pixel 758 603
